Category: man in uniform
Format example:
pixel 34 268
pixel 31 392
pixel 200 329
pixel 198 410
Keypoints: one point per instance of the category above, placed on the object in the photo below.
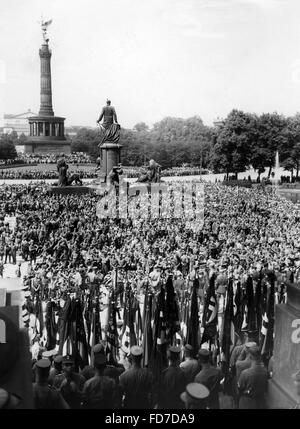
pixel 45 396
pixel 190 364
pixel 56 369
pixel 110 371
pixel 244 361
pixel 70 383
pixel 136 383
pixel 99 391
pixel 210 376
pixel 195 396
pixel 253 382
pixel 173 382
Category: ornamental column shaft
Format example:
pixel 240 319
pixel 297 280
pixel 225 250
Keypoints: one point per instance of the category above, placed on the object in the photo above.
pixel 46 89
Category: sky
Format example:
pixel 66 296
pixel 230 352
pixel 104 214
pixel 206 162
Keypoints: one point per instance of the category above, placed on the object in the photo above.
pixel 152 58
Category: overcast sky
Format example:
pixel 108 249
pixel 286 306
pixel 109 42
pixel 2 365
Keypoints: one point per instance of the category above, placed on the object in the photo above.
pixel 153 58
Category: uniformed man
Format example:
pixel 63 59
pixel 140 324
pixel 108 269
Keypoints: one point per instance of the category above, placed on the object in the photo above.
pixel 110 371
pixel 56 369
pixel 253 382
pixel 108 115
pixel 45 396
pixel 173 382
pixel 99 391
pixel 190 365
pixel 244 361
pixel 210 376
pixel 195 396
pixel 136 383
pixel 69 383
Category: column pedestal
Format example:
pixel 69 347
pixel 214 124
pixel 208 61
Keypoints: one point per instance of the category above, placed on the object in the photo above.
pixel 282 390
pixel 110 157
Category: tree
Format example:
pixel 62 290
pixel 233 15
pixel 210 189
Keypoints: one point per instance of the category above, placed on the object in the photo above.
pixel 271 136
pixel 232 143
pixel 141 127
pixel 290 154
pixel 86 140
pixel 22 139
pixel 7 147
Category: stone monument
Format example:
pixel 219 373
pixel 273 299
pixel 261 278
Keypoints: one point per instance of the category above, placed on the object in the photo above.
pixel 282 389
pixel 47 133
pixel 110 149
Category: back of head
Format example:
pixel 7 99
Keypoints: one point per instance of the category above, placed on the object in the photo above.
pixel 255 354
pixel 204 356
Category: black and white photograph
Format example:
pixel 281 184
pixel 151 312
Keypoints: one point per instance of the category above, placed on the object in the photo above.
pixel 149 208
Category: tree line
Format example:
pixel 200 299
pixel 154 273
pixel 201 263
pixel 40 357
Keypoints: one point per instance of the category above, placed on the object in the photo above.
pixel 239 141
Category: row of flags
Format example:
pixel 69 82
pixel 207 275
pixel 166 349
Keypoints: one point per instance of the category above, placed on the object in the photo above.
pixel 165 321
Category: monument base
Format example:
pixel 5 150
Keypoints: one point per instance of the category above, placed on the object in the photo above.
pixel 71 190
pixel 279 398
pixel 110 157
pixel 48 147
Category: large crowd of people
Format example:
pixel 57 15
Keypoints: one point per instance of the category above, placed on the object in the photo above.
pixel 47 158
pixel 249 237
pixel 25 174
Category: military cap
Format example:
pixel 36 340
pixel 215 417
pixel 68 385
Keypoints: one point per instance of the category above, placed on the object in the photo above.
pixel 43 363
pixel 250 344
pixel 175 350
pixel 98 348
pixel 58 359
pixel 203 352
pixel 194 392
pixel 47 354
pixel 188 348
pixel 99 359
pixel 67 359
pixel 136 351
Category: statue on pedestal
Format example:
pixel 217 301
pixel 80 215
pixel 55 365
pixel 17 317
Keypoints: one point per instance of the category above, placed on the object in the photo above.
pixel 62 168
pixel 110 129
pixel 151 174
pixel 63 178
pixel 45 26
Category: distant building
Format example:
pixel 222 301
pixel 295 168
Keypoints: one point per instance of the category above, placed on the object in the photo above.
pixel 218 122
pixel 72 130
pixel 18 123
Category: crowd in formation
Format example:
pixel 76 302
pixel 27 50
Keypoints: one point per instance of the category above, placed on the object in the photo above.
pixel 153 299
pixel 25 174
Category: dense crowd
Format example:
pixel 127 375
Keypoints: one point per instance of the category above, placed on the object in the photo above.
pixel 49 158
pixel 25 174
pixel 249 237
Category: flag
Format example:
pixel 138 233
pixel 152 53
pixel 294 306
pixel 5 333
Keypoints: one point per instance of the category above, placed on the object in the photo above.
pixel 128 336
pixel 158 360
pixel 238 308
pixel 80 350
pixel 38 310
pixel 51 327
pixel 95 334
pixel 228 337
pixel 192 336
pixel 210 313
pixel 267 329
pixel 172 312
pixel 258 303
pixel 185 317
pixel 148 334
pixel 64 323
pixel 251 320
pixel 112 332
